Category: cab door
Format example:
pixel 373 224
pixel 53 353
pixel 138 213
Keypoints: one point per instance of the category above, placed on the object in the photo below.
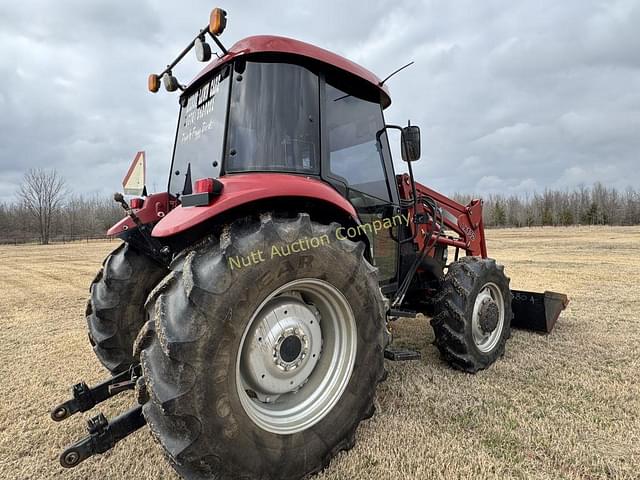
pixel 354 164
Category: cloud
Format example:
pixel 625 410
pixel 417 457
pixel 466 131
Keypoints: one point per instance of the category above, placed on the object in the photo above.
pixel 511 96
pixel 493 184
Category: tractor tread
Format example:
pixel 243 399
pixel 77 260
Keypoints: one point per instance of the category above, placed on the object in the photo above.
pixel 452 322
pixel 115 309
pixel 172 351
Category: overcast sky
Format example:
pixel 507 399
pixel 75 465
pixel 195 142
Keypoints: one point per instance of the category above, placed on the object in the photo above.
pixel 510 96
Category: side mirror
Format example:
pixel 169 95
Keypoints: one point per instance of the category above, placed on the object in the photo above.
pixel 410 143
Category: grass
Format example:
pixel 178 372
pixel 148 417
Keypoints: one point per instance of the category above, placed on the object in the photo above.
pixel 565 405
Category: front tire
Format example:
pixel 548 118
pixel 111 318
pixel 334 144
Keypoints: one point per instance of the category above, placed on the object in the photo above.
pixel 473 319
pixel 266 370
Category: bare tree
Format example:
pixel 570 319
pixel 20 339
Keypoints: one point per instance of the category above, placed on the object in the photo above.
pixel 42 193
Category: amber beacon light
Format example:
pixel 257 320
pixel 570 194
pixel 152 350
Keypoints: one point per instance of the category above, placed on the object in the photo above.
pixel 153 83
pixel 217 21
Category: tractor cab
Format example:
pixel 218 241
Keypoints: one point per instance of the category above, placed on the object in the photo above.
pixel 277 105
pixel 242 117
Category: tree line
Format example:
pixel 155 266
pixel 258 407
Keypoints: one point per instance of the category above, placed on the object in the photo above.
pixel 45 209
pixel 594 205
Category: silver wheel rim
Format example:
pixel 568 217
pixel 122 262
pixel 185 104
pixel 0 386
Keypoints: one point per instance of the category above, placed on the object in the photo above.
pixel 487 341
pixel 296 356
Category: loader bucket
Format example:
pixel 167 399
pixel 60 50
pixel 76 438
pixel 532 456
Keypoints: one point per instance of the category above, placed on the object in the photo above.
pixel 537 311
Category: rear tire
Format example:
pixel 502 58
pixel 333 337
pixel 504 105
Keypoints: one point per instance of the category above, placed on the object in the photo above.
pixel 115 310
pixel 473 314
pixel 203 329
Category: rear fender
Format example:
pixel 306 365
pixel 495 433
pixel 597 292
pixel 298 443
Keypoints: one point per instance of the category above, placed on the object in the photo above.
pixel 247 188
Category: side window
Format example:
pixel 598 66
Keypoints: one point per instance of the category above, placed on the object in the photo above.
pixel 352 124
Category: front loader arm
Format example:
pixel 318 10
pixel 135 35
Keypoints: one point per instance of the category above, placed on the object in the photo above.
pixel 464 221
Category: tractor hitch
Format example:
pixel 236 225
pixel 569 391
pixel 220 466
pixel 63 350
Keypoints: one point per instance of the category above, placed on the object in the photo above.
pixel 85 397
pixel 103 435
pixel 537 311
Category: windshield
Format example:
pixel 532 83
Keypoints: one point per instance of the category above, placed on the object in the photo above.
pixel 200 139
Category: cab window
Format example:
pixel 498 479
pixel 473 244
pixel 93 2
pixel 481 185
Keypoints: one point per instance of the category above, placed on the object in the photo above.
pixel 352 124
pixel 270 128
pixel 354 158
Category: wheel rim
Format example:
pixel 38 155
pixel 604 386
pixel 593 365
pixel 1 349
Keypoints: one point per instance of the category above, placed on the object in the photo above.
pixel 488 317
pixel 296 356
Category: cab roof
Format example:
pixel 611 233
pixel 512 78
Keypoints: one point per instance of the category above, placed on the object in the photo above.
pixel 269 44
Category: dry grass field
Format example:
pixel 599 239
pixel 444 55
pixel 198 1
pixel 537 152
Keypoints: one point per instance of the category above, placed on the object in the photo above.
pixel 565 405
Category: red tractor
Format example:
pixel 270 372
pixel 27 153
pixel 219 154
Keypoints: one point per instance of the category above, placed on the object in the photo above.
pixel 248 305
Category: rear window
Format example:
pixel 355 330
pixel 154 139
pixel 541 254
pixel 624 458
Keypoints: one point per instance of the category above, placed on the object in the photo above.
pixel 274 119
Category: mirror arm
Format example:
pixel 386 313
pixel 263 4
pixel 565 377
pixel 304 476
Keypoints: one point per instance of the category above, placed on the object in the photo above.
pixel 186 50
pixel 218 42
pixel 414 193
pixel 413 183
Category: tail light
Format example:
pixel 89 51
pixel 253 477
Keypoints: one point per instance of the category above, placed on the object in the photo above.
pixel 207 185
pixel 203 191
pixel 203 185
pixel 136 203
